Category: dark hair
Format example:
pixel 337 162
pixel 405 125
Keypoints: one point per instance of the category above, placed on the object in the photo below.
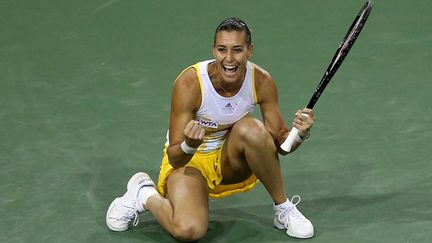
pixel 235 24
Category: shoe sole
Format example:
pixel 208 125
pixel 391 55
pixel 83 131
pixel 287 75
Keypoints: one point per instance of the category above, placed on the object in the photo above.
pixel 278 225
pixel 113 228
pixel 289 233
pixel 140 178
pixel 299 236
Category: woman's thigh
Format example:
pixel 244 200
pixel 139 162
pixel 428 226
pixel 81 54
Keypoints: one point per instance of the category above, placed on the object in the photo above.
pixel 188 193
pixel 248 133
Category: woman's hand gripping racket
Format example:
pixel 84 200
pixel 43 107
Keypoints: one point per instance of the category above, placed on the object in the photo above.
pixel 342 51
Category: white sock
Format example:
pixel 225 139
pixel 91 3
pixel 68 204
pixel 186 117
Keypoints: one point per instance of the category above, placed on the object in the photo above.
pixel 282 206
pixel 143 195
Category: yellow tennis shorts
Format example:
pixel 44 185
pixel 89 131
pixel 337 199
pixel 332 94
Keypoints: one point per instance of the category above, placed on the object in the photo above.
pixel 209 164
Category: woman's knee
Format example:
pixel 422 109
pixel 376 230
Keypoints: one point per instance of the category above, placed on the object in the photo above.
pixel 252 130
pixel 188 193
pixel 189 230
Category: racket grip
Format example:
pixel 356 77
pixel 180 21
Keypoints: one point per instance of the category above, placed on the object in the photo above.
pixel 287 145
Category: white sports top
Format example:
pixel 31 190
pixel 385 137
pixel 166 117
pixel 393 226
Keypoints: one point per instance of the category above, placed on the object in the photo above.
pixel 217 114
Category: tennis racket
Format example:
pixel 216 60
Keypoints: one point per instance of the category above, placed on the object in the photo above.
pixel 342 51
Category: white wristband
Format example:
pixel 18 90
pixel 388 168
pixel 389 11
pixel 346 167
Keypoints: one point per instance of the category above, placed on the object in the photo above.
pixel 187 149
pixel 292 137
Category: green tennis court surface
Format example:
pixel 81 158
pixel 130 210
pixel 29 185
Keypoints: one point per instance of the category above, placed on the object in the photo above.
pixel 84 103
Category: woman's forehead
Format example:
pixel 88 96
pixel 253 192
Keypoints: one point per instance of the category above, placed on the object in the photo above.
pixel 232 38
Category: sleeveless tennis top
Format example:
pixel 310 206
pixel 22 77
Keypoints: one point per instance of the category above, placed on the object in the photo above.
pixel 217 114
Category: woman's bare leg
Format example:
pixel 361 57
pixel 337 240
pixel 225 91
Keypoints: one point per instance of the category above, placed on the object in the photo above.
pixel 184 214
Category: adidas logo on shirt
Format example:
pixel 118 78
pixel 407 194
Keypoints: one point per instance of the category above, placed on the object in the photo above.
pixel 229 108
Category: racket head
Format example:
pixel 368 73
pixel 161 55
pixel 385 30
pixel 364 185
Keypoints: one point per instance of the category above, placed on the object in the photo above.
pixel 356 27
pixel 342 51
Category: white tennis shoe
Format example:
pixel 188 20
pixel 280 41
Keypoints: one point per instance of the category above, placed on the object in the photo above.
pixel 124 210
pixel 291 219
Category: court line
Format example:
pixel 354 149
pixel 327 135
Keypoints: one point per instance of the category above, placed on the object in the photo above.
pixel 104 6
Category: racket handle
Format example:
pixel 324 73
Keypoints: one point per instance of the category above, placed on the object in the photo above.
pixel 287 145
pixel 292 137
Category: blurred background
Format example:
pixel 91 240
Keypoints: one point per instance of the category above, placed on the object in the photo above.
pixel 85 96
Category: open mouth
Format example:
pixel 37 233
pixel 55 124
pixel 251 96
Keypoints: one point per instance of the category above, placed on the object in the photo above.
pixel 230 69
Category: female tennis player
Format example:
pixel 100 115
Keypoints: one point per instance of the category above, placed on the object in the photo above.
pixel 215 148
